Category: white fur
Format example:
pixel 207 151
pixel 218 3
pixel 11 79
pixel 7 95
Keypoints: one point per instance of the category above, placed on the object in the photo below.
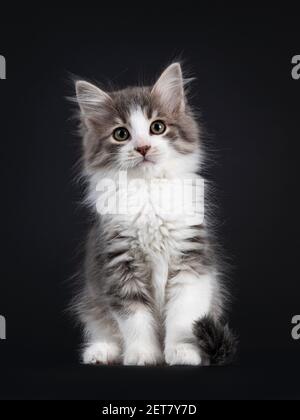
pixel 182 354
pixel 189 300
pixel 140 130
pixel 102 353
pixel 140 339
pixel 103 343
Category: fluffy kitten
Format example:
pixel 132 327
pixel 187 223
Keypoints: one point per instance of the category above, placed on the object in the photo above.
pixel 151 287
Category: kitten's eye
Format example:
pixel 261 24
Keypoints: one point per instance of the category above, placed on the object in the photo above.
pixel 157 128
pixel 121 134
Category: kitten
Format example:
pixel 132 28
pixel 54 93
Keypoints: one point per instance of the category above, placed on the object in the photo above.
pixel 151 291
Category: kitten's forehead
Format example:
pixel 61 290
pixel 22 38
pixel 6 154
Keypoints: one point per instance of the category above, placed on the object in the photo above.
pixel 129 100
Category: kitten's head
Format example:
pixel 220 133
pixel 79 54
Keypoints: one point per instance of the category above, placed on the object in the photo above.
pixel 148 130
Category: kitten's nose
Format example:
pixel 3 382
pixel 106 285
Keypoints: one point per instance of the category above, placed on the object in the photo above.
pixel 143 150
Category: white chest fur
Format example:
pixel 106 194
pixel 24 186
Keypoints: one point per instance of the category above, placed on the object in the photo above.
pixel 158 215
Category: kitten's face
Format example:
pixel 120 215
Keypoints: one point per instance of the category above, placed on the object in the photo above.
pixel 139 129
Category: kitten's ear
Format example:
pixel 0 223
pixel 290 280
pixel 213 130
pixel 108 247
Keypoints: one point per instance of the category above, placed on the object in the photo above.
pixel 170 88
pixel 90 98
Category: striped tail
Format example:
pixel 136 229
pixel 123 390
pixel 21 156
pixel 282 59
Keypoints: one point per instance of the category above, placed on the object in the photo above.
pixel 216 341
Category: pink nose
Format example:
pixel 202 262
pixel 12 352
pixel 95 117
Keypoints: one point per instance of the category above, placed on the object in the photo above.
pixel 143 150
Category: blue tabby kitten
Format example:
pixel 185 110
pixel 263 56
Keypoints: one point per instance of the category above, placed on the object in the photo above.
pixel 151 287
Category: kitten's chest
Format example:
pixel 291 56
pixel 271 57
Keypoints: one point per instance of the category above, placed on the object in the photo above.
pixel 153 220
pixel 154 232
pixel 155 235
pixel 159 222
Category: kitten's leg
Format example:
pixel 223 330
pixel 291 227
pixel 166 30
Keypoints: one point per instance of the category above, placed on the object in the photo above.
pixel 103 344
pixel 141 344
pixel 102 337
pixel 132 304
pixel 189 299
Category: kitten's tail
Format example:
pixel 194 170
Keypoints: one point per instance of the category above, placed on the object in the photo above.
pixel 216 341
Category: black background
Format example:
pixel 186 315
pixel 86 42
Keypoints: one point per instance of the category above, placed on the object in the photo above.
pixel 250 104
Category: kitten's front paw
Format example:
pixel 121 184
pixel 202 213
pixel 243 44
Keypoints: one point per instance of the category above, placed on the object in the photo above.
pixel 142 357
pixel 182 354
pixel 102 353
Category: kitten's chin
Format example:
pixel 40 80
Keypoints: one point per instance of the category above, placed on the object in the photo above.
pixel 146 167
pixel 146 163
pixel 138 164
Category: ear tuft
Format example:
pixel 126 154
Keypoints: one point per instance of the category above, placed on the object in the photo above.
pixel 170 88
pixel 90 97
